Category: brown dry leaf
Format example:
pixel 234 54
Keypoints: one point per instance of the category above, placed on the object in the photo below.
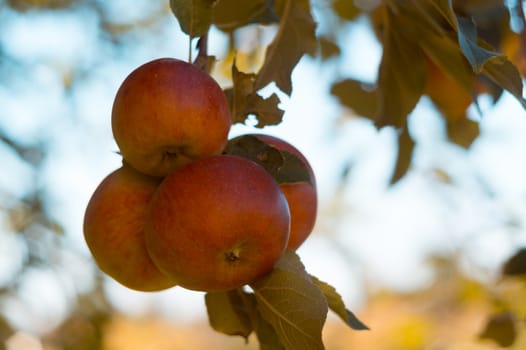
pixel 294 38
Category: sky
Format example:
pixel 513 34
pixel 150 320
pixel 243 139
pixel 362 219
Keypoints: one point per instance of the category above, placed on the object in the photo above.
pixel 368 235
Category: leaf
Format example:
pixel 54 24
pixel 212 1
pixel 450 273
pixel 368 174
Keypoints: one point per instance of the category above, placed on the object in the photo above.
pixel 239 94
pixel 250 147
pixel 439 13
pixel 467 39
pixel 284 166
pixel 405 152
pixel 328 48
pixel 506 75
pixel 462 131
pixel 267 337
pixel 294 306
pixel 401 79
pixel 346 9
pixel 501 329
pixel 336 304
pixel 194 16
pixel 229 15
pixel 516 265
pixel 294 38
pixel 493 64
pixel 445 8
pixel 244 100
pixel 227 313
pixel 293 169
pixel 266 110
pixel 351 93
pixel 445 53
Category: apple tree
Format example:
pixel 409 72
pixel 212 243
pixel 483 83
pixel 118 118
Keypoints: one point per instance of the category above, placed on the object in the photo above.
pixel 449 51
pixel 452 53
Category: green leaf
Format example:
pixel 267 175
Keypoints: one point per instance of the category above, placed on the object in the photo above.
pixel 294 38
pixel 284 166
pixel 516 265
pixel 405 153
pixel 501 328
pixel 336 305
pixel 227 313
pixel 194 16
pixel 294 306
pixel 351 93
pixel 402 72
pixel 232 14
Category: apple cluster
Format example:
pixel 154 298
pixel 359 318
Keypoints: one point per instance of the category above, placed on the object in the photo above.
pixel 181 210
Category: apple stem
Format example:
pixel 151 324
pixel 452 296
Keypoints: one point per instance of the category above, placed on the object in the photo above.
pixel 201 61
pixel 190 49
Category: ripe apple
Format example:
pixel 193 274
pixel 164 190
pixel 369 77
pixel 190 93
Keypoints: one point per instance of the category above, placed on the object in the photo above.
pixel 301 196
pixel 217 224
pixel 167 113
pixel 114 229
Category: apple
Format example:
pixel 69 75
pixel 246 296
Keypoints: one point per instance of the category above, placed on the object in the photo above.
pixel 167 113
pixel 301 196
pixel 217 224
pixel 114 229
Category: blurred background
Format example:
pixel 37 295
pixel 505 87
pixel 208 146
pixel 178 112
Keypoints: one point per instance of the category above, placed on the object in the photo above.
pixel 419 261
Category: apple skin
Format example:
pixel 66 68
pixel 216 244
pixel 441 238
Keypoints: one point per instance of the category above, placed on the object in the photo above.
pixel 302 197
pixel 114 229
pixel 167 113
pixel 217 224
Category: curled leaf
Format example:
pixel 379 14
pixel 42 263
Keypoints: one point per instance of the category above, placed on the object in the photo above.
pixel 284 166
pixel 227 313
pixel 336 304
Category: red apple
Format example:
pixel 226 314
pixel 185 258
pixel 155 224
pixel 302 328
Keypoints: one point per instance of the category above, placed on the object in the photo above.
pixel 167 113
pixel 114 229
pixel 217 224
pixel 301 196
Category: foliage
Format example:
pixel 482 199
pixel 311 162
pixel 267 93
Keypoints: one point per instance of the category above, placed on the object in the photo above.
pixel 422 41
pixel 430 48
